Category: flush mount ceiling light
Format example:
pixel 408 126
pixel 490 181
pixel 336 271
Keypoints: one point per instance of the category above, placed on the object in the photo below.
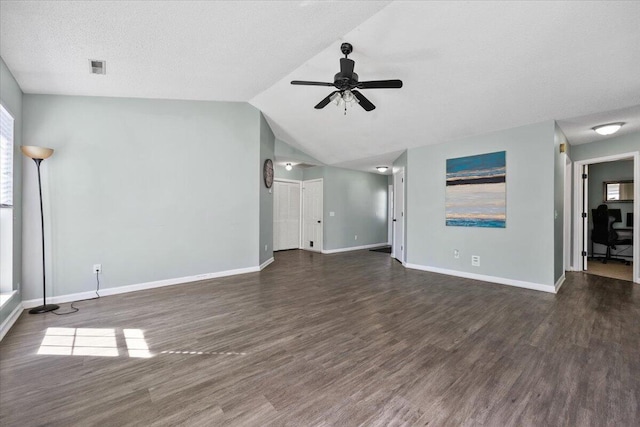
pixel 382 169
pixel 288 166
pixel 608 129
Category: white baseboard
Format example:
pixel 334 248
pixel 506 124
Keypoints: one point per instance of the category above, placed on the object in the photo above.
pixel 560 282
pixel 138 287
pixel 353 248
pixel 266 263
pixel 10 320
pixel 484 278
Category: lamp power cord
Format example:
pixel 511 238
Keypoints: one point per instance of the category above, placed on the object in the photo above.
pixel 76 309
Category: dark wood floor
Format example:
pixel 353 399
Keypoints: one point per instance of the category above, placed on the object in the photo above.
pixel 344 339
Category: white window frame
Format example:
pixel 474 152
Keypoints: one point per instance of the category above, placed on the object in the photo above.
pixel 6 204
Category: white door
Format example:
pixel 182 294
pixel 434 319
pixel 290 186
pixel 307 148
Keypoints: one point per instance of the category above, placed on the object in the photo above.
pixel 286 215
pixel 312 215
pixel 398 216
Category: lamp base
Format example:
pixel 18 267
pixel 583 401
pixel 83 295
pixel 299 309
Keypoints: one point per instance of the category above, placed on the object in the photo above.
pixel 44 308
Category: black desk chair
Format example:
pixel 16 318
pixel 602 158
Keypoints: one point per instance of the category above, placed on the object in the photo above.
pixel 604 234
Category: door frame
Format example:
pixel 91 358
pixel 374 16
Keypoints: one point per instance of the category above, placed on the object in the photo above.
pixel 579 200
pixel 302 236
pixel 403 255
pixel 568 174
pixel 294 181
pixel 390 203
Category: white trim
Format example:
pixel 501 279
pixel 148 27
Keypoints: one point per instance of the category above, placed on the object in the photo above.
pixel 403 225
pixel 139 287
pixel 353 248
pixel 484 278
pixel 390 196
pixel 287 180
pixel 6 297
pixel 559 283
pixel 10 320
pixel 266 263
pixel 566 220
pixel 578 200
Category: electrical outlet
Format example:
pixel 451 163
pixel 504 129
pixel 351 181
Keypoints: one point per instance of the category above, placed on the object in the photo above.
pixel 475 260
pixel 97 268
pixel 265 248
pixel 456 253
pixel 356 238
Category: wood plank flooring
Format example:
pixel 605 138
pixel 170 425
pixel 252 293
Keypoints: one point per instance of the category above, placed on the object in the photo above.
pixel 333 340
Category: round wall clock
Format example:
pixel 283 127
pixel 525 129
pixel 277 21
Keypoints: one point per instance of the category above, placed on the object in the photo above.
pixel 267 173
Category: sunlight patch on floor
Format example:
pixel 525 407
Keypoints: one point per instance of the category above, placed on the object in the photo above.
pixel 92 342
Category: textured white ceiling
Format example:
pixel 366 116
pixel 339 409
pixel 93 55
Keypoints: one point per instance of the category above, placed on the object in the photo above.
pixel 468 67
pixel 203 50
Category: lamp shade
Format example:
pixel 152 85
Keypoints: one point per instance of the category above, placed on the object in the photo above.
pixel 36 152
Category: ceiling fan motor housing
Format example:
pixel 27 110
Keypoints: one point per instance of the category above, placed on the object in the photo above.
pixel 344 82
pixel 346 48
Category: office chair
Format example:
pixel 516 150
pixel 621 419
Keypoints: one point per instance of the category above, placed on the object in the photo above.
pixel 603 232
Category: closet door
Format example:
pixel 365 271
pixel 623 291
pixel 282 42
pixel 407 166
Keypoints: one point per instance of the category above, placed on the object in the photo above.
pixel 286 215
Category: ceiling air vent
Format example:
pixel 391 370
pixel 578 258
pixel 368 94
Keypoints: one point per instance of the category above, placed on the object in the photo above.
pixel 98 67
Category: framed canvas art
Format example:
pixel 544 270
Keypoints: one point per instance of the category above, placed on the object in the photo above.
pixel 476 191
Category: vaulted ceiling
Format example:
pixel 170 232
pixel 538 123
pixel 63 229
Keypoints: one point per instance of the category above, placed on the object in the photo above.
pixel 468 67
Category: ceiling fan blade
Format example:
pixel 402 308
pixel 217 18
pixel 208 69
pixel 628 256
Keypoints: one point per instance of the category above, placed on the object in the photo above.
pixel 346 67
pixel 381 84
pixel 325 101
pixel 363 101
pixel 302 82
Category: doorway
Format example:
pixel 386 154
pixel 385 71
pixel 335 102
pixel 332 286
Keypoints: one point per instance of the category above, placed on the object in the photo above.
pixel 287 209
pixel 312 215
pixel 398 216
pixel 590 177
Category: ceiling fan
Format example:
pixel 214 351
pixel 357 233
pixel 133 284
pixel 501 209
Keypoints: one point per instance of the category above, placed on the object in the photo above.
pixel 346 82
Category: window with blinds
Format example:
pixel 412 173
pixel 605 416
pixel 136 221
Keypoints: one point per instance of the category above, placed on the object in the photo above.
pixel 6 158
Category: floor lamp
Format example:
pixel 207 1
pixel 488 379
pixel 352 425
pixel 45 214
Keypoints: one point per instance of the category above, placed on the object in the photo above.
pixel 38 154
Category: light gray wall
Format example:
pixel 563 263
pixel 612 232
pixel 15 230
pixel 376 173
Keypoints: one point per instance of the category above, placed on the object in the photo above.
pixel 608 171
pixel 296 173
pixel 313 173
pixel 151 189
pixel 558 201
pixel 284 151
pixel 359 201
pixel 267 141
pixel 11 99
pixel 606 147
pixel 524 250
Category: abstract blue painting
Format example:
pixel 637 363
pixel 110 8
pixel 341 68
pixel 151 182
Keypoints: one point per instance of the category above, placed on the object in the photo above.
pixel 476 191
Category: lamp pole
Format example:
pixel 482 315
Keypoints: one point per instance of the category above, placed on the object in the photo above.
pixel 38 154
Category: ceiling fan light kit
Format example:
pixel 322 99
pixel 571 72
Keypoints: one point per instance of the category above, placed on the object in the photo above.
pixel 346 82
